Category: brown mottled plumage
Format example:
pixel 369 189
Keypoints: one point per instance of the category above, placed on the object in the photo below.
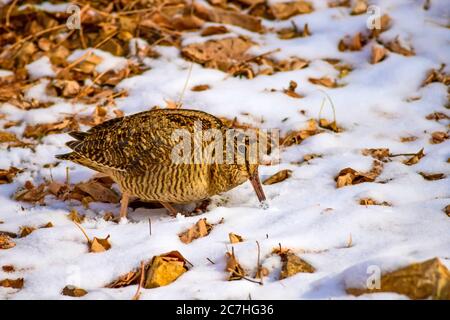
pixel 136 152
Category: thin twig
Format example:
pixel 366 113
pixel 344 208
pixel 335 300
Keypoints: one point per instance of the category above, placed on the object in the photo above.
pixel 150 226
pixel 8 13
pixel 67 176
pixel 210 260
pixel 141 282
pixel 402 154
pixel 185 85
pixel 82 230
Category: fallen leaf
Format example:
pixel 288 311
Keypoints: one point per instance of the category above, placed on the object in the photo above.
pixel 400 48
pixel 233 266
pixel 99 245
pixel 438 137
pixel 66 88
pixel 75 217
pixel 408 139
pixel 432 176
pixel 285 10
pixel 201 229
pixel 98 191
pixel 349 176
pixel 30 193
pixel 6 242
pixel 127 279
pixel 8 268
pixel 324 81
pixel 359 7
pixel 372 202
pixel 296 137
pixel 212 30
pixel 229 17
pixel 291 90
pixel 376 153
pixel 446 210
pixel 235 238
pixel 385 22
pixel 25 231
pixel 278 177
pixel 165 269
pixel 437 75
pixel 428 279
pixel 378 54
pixel 73 291
pixel 39 130
pixel 330 125
pixel 10 283
pixel 415 158
pixel 292 264
pixel 200 87
pixel 436 116
pixel 7 175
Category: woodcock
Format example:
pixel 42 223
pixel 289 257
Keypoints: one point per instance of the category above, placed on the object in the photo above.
pixel 136 151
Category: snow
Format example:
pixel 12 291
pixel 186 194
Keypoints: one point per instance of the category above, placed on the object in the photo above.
pixel 306 213
pixel 40 68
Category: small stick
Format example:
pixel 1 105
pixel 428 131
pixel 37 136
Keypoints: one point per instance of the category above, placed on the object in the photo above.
pixel 82 230
pixel 141 282
pixel 150 226
pixel 210 260
pixel 402 154
pixel 67 176
pixel 185 85
pixel 8 13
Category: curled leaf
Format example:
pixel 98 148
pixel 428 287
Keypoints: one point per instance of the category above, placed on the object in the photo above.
pixel 278 177
pixel 201 229
pixel 73 291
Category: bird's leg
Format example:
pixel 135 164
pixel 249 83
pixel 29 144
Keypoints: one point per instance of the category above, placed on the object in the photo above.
pixel 172 211
pixel 124 204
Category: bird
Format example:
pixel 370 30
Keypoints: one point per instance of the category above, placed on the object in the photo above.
pixel 141 154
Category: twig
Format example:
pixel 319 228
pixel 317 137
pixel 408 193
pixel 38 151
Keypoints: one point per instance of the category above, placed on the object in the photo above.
pixel 150 226
pixel 21 41
pixel 67 176
pixel 185 85
pixel 141 282
pixel 210 260
pixel 402 154
pixel 323 103
pixel 8 13
pixel 82 230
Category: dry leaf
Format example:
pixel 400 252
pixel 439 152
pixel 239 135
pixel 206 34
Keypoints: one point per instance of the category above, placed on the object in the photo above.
pixel 437 116
pixel 233 266
pixel 397 47
pixel 99 245
pixel 278 177
pixel 376 153
pixel 446 210
pixel 6 242
pixel 285 10
pixel 98 191
pixel 165 269
pixel 128 279
pixel 359 7
pixel 235 238
pixel 75 217
pixel 408 139
pixel 438 137
pixel 291 90
pixel 330 125
pixel 432 176
pixel 212 30
pixel 229 17
pixel 378 54
pixel 66 88
pixel 73 291
pixel 8 268
pixel 39 130
pixel 30 193
pixel 385 22
pixel 10 283
pixel 296 137
pixel 372 202
pixel 437 75
pixel 200 87
pixel 25 231
pixel 415 158
pixel 421 280
pixel 7 175
pixel 201 229
pixel 292 264
pixel 324 81
pixel 349 176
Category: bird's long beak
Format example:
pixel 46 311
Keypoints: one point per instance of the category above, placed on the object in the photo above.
pixel 254 179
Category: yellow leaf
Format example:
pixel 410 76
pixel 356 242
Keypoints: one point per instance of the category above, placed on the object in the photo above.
pixel 234 238
pixel 10 283
pixel 278 177
pixel 72 291
pixel 233 266
pixel 201 229
pixel 6 242
pixel 165 269
pixel 293 264
pixel 99 245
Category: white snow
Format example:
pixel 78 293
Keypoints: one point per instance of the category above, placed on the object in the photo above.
pixel 306 213
pixel 40 68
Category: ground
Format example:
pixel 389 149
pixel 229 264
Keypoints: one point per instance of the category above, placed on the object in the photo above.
pixel 377 105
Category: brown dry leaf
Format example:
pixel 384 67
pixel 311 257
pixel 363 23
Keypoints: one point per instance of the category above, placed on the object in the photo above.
pixel 73 291
pixel 229 17
pixel 292 264
pixel 39 130
pixel 25 231
pixel 359 7
pixel 408 139
pixel 428 279
pixel 212 30
pixel 296 137
pixel 285 10
pixel 372 202
pixel 432 176
pixel 438 137
pixel 98 191
pixel 291 64
pixel 66 88
pixel 10 283
pixel 6 242
pixel 130 278
pixel 233 266
pixel 218 54
pixel 437 75
pixel 354 43
pixel 385 22
pixel 165 269
pixel 75 217
pixel 187 22
pixel 376 153
pixel 324 81
pixel 397 47
pixel 446 210
pixel 30 193
pixel 57 189
pixel 436 116
pixel 278 177
pixel 7 175
pixel 235 238
pixel 261 272
pixel 293 32
pixel 200 87
pixel 99 245
pixel 330 125
pixel 201 229
pixel 310 156
pixel 415 158
pixel 8 268
pixel 6 136
pixel 378 54
pixel 291 90
pixel 349 176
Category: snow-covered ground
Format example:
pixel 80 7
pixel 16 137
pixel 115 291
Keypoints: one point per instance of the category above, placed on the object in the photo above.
pixel 307 213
